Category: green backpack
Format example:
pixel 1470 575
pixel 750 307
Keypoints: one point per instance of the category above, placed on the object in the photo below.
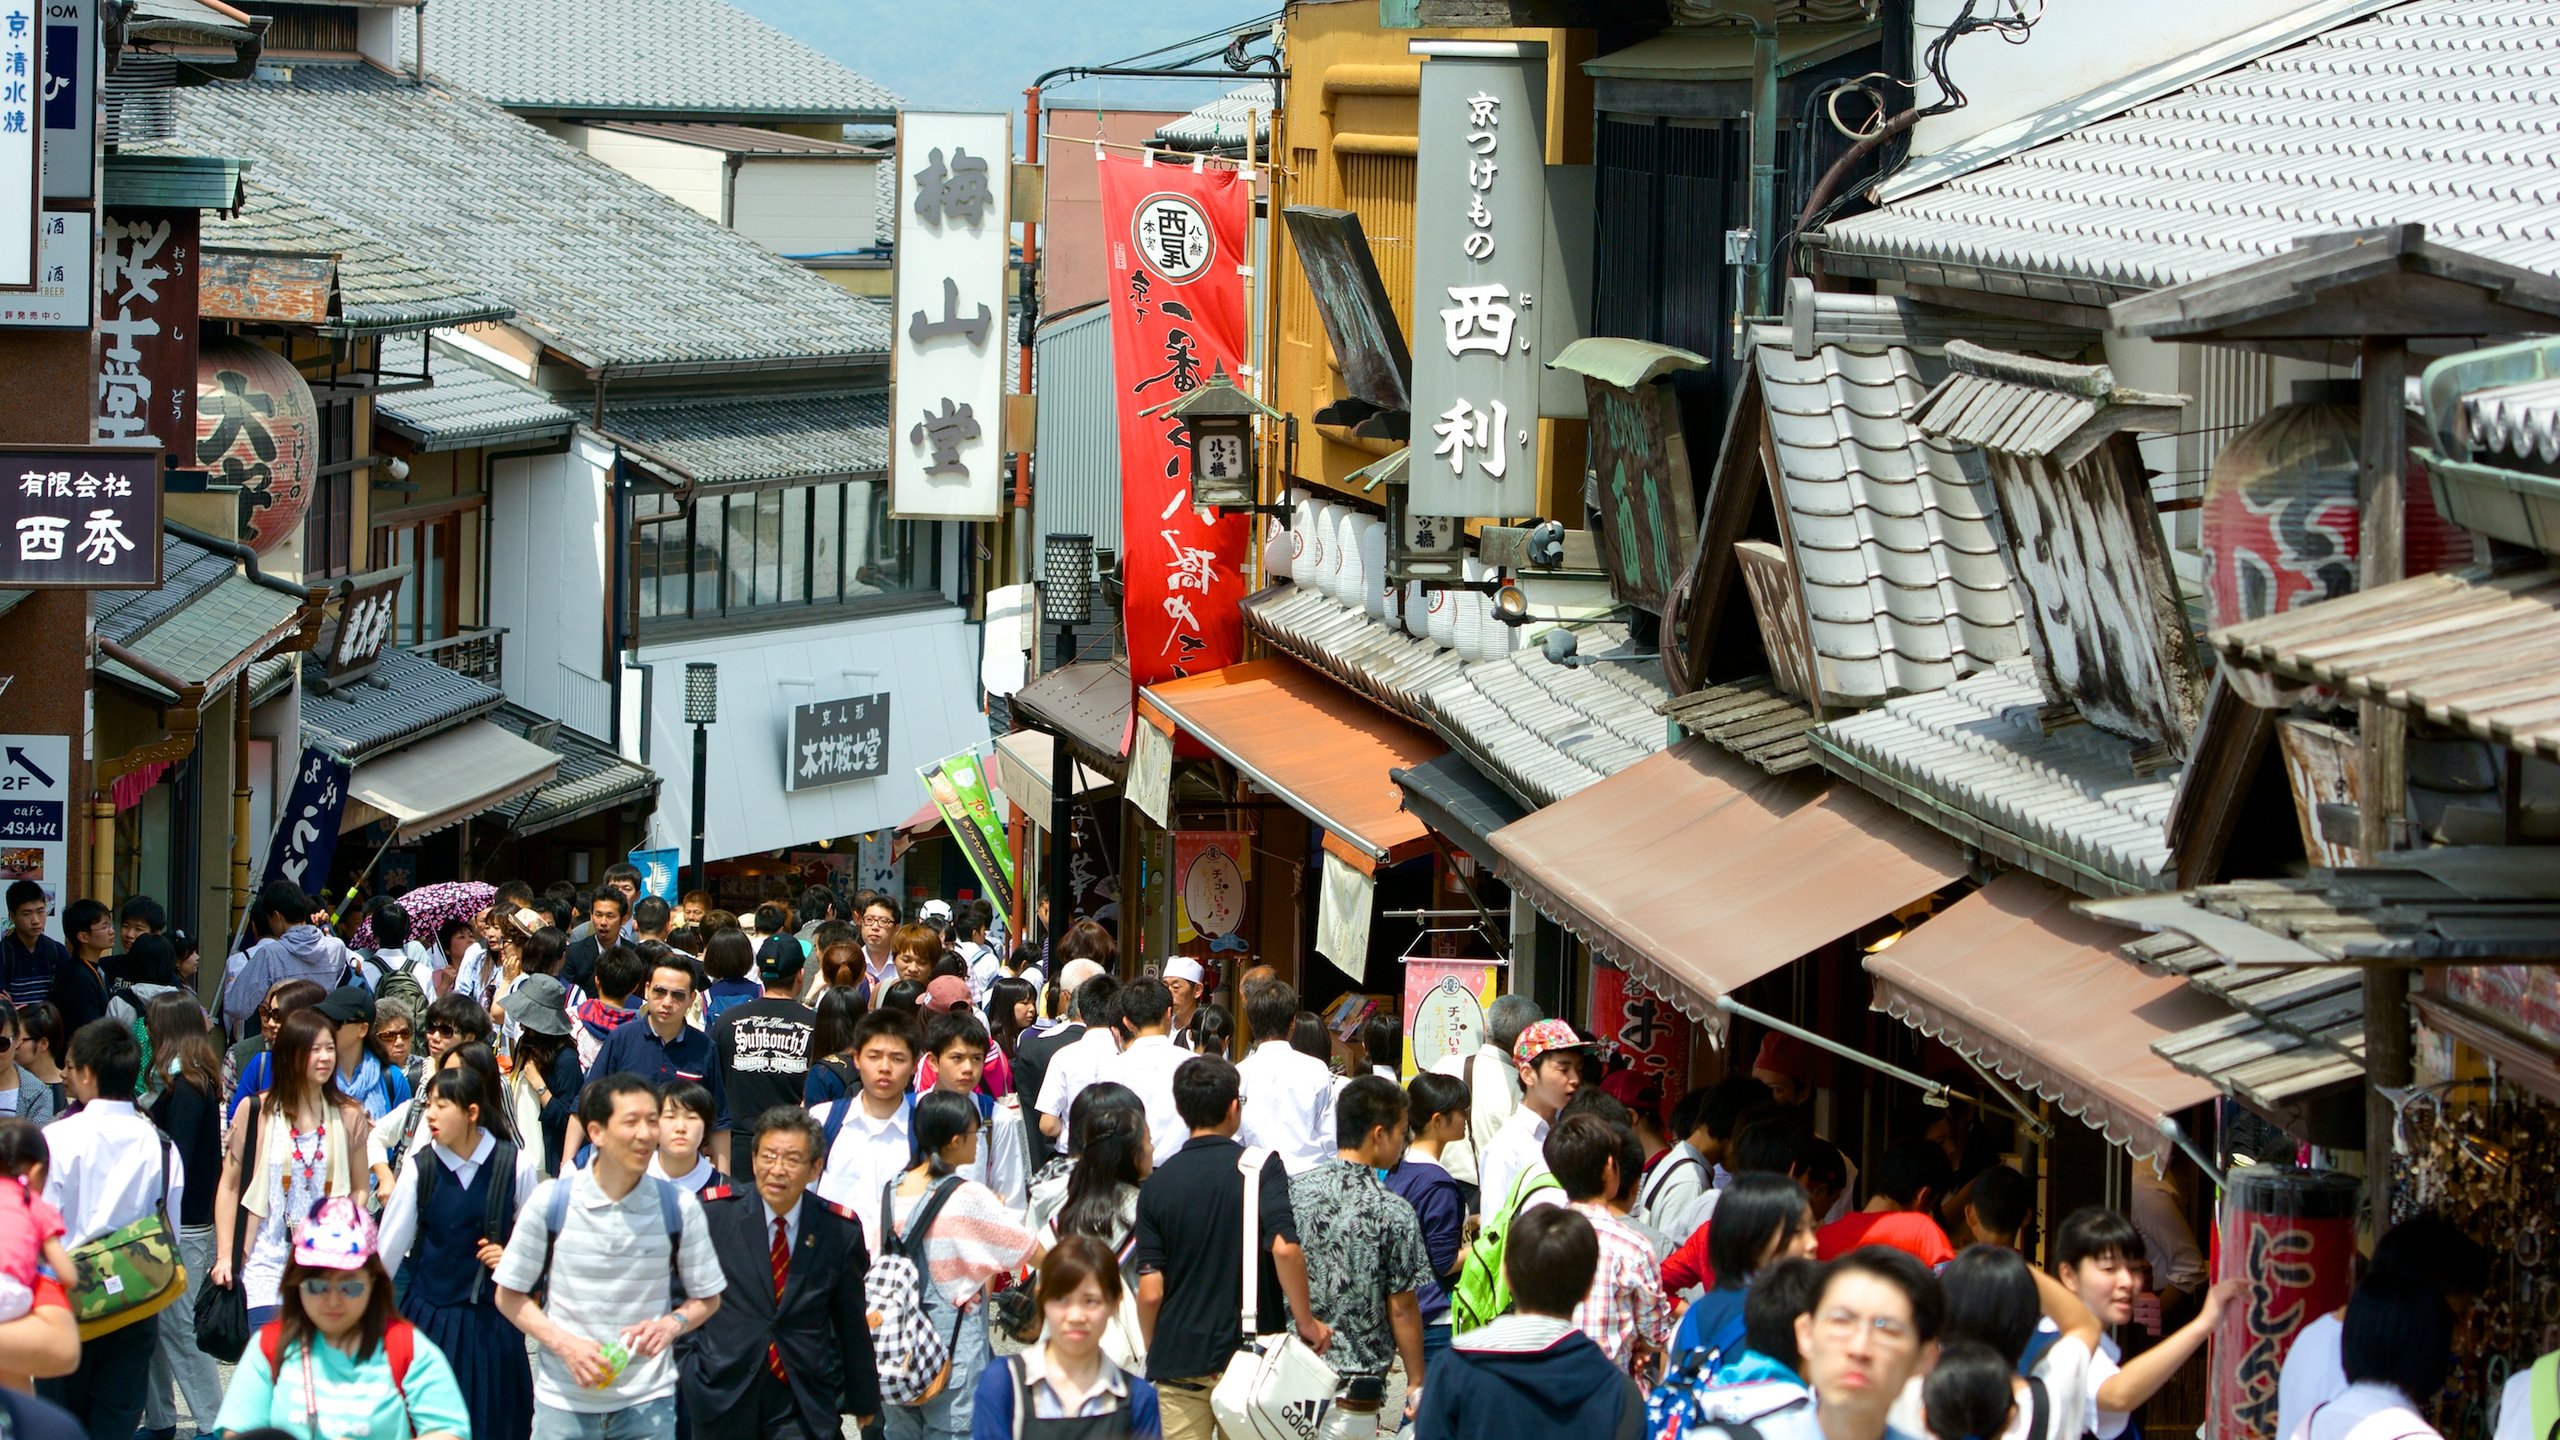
pixel 1482 1293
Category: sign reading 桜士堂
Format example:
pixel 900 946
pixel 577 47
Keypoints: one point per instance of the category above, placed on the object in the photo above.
pixel 947 357
pixel 79 517
pixel 1479 258
pixel 835 741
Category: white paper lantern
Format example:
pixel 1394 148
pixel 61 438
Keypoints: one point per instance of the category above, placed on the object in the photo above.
pixel 1316 568
pixel 1349 575
pixel 1440 622
pixel 1373 567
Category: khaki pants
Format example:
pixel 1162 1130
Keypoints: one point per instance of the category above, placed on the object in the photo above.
pixel 1186 1412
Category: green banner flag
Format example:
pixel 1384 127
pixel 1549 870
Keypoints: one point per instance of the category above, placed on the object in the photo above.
pixel 958 785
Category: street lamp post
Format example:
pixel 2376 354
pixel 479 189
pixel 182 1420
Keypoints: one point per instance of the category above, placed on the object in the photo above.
pixel 701 711
pixel 1066 599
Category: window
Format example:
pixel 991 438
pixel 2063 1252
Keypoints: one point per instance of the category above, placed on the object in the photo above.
pixel 429 541
pixel 328 523
pixel 744 552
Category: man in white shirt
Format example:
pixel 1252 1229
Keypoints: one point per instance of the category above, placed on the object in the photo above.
pixel 109 1168
pixel 1549 1057
pixel 1094 1056
pixel 1184 979
pixel 1148 1064
pixel 1680 1194
pixel 1493 1085
pixel 870 1134
pixel 1288 1097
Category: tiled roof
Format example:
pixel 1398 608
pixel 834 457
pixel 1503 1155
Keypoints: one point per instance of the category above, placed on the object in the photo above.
pixel 632 58
pixel 606 269
pixel 2520 422
pixel 1544 730
pixel 1384 662
pixel 467 406
pixel 187 571
pixel 2438 112
pixel 1753 718
pixel 746 438
pixel 206 621
pixel 1223 123
pixel 379 288
pixel 741 139
pixel 1975 760
pixel 406 698
pixel 592 776
pixel 1902 575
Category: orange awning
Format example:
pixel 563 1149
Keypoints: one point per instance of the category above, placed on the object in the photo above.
pixel 1307 741
pixel 1700 873
pixel 2013 979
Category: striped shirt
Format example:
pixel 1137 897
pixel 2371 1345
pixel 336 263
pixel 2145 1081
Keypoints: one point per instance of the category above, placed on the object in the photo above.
pixel 611 1273
pixel 974 1239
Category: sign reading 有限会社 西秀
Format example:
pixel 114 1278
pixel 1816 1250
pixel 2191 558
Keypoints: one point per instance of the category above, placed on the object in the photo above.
pixel 79 517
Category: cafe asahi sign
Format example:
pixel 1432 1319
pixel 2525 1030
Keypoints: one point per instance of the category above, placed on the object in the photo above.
pixel 946 363
pixel 79 517
pixel 1479 255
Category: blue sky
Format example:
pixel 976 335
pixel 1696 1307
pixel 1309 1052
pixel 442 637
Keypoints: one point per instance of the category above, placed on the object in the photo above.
pixel 979 54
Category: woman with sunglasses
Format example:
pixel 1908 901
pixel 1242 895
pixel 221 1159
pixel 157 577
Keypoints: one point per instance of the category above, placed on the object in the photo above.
pixel 338 1362
pixel 447 1246
pixel 288 1149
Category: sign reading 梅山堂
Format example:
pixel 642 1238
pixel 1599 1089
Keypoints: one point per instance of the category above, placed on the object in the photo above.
pixel 835 741
pixel 947 358
pixel 22 87
pixel 79 517
pixel 1479 257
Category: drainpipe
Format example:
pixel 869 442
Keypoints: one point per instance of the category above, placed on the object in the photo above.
pixel 240 796
pixel 1760 292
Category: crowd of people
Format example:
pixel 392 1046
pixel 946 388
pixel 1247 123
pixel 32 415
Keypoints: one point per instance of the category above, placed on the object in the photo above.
pixel 602 1167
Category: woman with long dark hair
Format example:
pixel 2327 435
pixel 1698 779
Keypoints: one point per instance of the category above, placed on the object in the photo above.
pixel 831 1074
pixel 1013 1007
pixel 42 1043
pixel 967 1237
pixel 326 1370
pixel 289 1148
pixel 187 1106
pixel 1760 1220
pixel 1115 1154
pixel 467 1174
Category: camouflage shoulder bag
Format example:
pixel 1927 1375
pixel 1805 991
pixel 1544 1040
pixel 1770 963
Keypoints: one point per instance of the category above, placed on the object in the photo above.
pixel 129 1275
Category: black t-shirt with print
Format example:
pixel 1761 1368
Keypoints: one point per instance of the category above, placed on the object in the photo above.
pixel 763 1047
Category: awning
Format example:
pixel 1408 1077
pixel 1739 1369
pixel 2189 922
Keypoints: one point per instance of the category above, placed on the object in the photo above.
pixel 1089 703
pixel 446 778
pixel 593 777
pixel 1700 873
pixel 1311 743
pixel 1025 761
pixel 2012 979
pixel 1458 800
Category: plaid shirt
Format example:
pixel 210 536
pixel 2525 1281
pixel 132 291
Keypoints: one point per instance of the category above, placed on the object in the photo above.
pixel 1626 1301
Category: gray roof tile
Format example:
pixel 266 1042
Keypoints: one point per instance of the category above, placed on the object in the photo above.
pixel 1545 731
pixel 379 287
pixel 2436 111
pixel 408 697
pixel 1384 662
pixel 2521 422
pixel 739 439
pixel 1223 123
pixel 467 405
pixel 665 58
pixel 592 776
pixel 605 268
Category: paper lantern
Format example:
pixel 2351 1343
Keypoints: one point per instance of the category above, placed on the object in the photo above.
pixel 258 428
pixel 1373 567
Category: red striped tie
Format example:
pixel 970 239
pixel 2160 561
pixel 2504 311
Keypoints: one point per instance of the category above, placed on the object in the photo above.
pixel 781 1268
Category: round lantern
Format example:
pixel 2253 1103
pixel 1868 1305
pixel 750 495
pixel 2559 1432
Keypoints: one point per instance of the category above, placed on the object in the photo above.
pixel 257 428
pixel 2282 514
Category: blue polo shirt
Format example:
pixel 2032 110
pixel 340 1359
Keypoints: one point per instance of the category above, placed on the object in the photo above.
pixel 636 1048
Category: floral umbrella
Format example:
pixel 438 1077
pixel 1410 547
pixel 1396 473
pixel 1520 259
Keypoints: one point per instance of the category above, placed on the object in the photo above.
pixel 429 906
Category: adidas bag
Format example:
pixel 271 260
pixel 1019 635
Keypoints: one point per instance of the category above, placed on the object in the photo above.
pixel 1275 1388
pixel 914 1361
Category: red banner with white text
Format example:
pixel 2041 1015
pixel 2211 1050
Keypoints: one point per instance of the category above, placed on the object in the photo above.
pixel 1175 239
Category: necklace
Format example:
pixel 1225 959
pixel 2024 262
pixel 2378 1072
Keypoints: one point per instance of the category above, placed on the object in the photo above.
pixel 310 1165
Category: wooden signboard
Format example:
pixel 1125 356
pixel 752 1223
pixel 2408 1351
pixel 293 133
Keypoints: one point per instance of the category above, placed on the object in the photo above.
pixel 1638 476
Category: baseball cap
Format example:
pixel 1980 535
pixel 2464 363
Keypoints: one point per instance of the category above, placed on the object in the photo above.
pixel 337 1235
pixel 1183 967
pixel 1783 1054
pixel 348 1005
pixel 1544 1036
pixel 780 957
pixel 935 912
pixel 540 1004
pixel 946 994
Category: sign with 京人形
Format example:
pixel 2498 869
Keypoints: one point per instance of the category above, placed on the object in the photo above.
pixel 35 816
pixel 65 272
pixel 70 98
pixel 947 357
pixel 1479 258
pixel 147 348
pixel 834 741
pixel 79 517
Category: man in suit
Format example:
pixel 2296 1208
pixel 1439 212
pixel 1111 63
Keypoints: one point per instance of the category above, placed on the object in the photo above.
pixel 788 1355
pixel 605 913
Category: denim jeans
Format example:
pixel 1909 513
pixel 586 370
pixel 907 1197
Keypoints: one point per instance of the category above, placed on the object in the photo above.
pixel 946 1416
pixel 179 1362
pixel 653 1420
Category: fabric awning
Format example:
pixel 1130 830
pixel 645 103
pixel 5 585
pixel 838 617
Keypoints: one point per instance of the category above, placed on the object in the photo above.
pixel 1455 798
pixel 1700 873
pixel 446 778
pixel 1089 703
pixel 2012 978
pixel 1311 743
pixel 1025 761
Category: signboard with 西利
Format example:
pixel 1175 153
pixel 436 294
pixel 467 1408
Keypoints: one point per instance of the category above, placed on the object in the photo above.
pixel 35 816
pixel 79 517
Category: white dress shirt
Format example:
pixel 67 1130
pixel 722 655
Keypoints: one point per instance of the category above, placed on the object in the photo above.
pixel 1094 1056
pixel 790 1223
pixel 1521 1147
pixel 1147 1067
pixel 1288 1105
pixel 2315 1371
pixel 868 1155
pixel 106 1170
pixel 2366 1410
pixel 1004 1156
pixel 1493 1092
pixel 400 1211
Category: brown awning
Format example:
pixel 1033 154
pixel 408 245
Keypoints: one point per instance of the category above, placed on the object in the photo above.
pixel 1700 873
pixel 1088 702
pixel 2010 977
pixel 1310 742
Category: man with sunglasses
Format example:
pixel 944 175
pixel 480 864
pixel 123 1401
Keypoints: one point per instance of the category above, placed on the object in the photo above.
pixel 663 1047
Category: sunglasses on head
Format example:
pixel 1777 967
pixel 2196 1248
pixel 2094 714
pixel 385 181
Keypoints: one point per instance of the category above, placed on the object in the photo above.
pixel 353 1287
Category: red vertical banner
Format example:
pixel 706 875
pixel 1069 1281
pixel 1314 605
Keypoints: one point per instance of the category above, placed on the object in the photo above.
pixel 1174 238
pixel 1640 1026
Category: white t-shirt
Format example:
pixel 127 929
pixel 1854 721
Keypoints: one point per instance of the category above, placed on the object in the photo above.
pixel 2364 1412
pixel 1518 1149
pixel 2314 1372
pixel 2105 1424
pixel 2064 1369
pixel 2515 1408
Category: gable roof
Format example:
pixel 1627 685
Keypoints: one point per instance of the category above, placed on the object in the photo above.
pixel 379 289
pixel 600 266
pixel 662 59
pixel 2436 112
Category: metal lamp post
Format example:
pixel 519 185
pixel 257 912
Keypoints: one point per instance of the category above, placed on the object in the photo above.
pixel 1066 599
pixel 701 711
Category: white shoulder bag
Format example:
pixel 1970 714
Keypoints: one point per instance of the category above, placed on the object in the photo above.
pixel 1276 1388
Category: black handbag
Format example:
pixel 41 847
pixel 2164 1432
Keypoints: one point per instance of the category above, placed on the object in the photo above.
pixel 222 1311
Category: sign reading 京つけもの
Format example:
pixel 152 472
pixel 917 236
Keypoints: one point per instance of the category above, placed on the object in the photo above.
pixel 947 357
pixel 35 809
pixel 79 517
pixel 1479 257
pixel 834 741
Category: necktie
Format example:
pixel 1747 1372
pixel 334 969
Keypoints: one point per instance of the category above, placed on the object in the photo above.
pixel 781 1269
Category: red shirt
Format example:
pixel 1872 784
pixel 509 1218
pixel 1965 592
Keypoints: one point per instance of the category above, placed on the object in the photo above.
pixel 1688 1265
pixel 1905 1230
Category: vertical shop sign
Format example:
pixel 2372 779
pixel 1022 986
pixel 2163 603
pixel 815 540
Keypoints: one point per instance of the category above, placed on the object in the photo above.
pixel 1641 1027
pixel 1210 884
pixel 306 837
pixel 22 85
pixel 947 357
pixel 958 785
pixel 35 816
pixel 70 98
pixel 1444 1005
pixel 1175 243
pixel 1479 262
pixel 2292 1234
pixel 147 342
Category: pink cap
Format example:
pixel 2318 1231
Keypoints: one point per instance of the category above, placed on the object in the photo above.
pixel 337 1235
pixel 946 994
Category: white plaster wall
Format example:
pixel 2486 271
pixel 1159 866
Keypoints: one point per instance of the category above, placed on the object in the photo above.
pixel 805 207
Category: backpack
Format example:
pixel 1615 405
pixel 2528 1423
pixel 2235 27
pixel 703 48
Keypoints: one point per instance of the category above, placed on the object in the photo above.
pixel 555 1215
pixel 834 1124
pixel 399 1346
pixel 400 982
pixel 913 1361
pixel 498 1222
pixel 1483 1293
pixel 1679 1402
